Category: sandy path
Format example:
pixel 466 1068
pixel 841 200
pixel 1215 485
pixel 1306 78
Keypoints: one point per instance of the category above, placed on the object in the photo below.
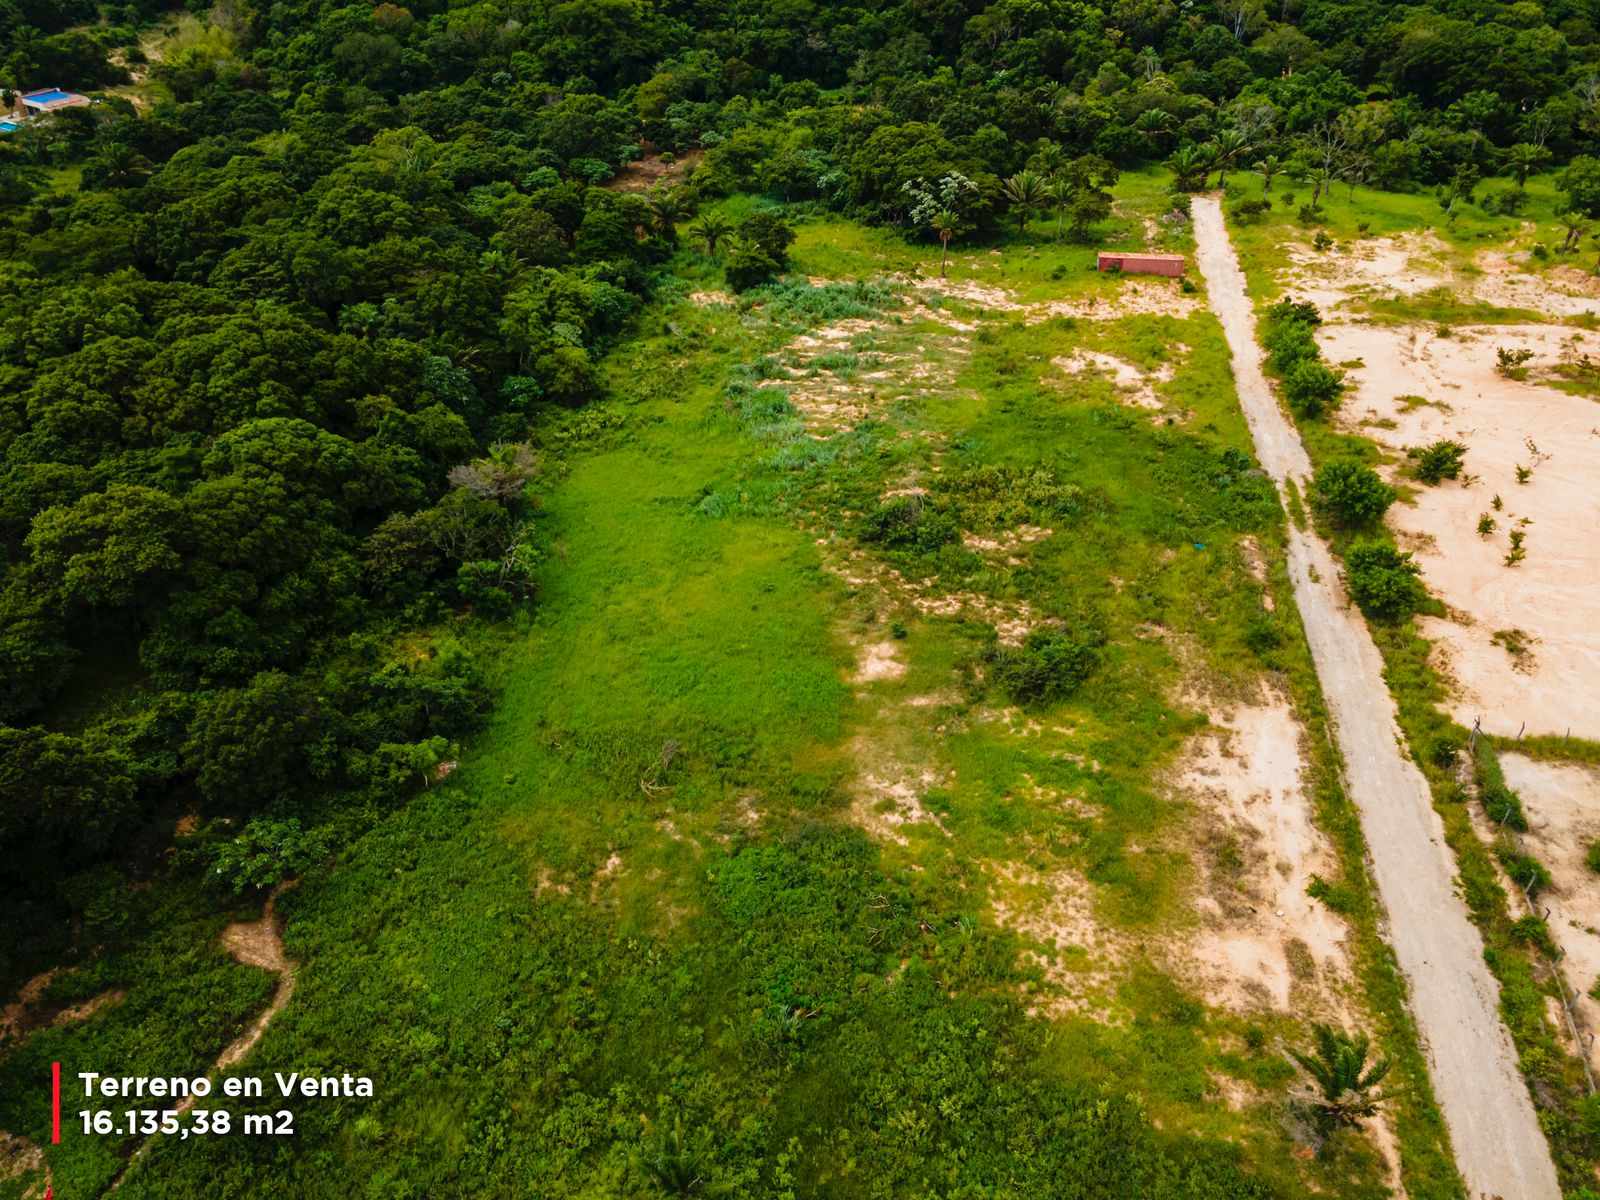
pixel 1499 1146
pixel 255 944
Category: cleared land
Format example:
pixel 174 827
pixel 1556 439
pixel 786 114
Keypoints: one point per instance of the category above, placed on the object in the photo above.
pixel 773 834
pixel 1499 1145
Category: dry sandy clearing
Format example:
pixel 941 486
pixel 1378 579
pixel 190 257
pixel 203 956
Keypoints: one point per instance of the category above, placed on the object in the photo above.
pixel 1562 801
pixel 1262 940
pixel 1553 595
pixel 1133 297
pixel 1135 387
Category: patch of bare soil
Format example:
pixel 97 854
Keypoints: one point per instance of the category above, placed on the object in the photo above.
pixel 30 1010
pixel 648 172
pixel 889 795
pixel 879 661
pixel 18 1157
pixel 1256 564
pixel 1262 942
pixel 837 376
pixel 1405 265
pixel 1012 619
pixel 1562 801
pixel 1550 596
pixel 1561 291
pixel 259 944
pixel 1078 957
pixel 711 298
pixel 1134 386
pixel 1005 545
pixel 1133 297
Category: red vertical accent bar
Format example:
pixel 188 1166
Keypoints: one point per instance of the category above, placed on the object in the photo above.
pixel 55 1104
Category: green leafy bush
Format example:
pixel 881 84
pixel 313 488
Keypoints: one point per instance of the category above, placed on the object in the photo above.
pixel 1049 666
pixel 1312 387
pixel 1351 494
pixel 1436 462
pixel 1383 580
pixel 909 523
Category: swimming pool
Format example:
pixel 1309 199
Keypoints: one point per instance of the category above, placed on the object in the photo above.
pixel 54 96
pixel 8 127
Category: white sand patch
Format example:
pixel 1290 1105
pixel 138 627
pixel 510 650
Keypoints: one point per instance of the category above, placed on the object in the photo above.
pixel 1128 297
pixel 1134 385
pixel 890 797
pixel 1255 562
pixel 1262 940
pixel 832 394
pixel 879 661
pixel 710 299
pixel 1562 801
pixel 1007 543
pixel 1385 266
pixel 1552 595
pixel 1561 291
pixel 1012 619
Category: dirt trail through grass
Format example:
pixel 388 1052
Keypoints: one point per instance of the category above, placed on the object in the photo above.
pixel 255 944
pixel 1499 1146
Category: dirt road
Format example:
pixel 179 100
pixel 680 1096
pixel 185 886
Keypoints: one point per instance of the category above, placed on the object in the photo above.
pixel 1498 1144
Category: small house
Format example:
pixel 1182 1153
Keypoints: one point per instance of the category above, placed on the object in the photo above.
pixel 49 100
pixel 1141 263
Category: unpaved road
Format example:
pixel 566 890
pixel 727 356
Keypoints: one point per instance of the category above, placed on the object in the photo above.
pixel 1498 1144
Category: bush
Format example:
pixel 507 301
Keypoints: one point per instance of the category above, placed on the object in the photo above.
pixel 909 523
pixel 1049 666
pixel 1311 387
pixel 1592 857
pixel 1289 344
pixel 1351 494
pixel 1504 807
pixel 1441 460
pixel 748 265
pixel 1382 580
pixel 1527 872
pixel 1505 202
pixel 1247 211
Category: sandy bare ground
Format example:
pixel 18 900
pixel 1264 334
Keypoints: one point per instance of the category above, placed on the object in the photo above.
pixel 1498 1143
pixel 1562 801
pixel 1134 386
pixel 1551 596
pixel 1262 941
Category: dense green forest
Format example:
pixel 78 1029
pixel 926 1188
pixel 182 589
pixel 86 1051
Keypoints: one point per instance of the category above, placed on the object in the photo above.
pixel 293 319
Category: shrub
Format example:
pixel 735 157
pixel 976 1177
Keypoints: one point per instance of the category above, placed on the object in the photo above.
pixel 1247 211
pixel 1382 580
pixel 1527 872
pixel 1541 251
pixel 1289 344
pixel 1511 363
pixel 749 265
pixel 909 523
pixel 1505 202
pixel 1294 310
pixel 1440 461
pixel 1504 807
pixel 1322 242
pixel 1351 493
pixel 1049 666
pixel 1311 387
pixel 1309 215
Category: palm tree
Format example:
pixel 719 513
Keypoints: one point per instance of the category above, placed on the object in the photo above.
pixel 1576 225
pixel 1525 158
pixel 1344 1082
pixel 1320 177
pixel 667 208
pixel 711 228
pixel 1154 125
pixel 1190 164
pixel 1025 191
pixel 1268 167
pixel 945 225
pixel 1058 191
pixel 1230 144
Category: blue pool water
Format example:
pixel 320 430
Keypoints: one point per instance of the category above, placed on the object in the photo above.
pixel 49 97
pixel 8 126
